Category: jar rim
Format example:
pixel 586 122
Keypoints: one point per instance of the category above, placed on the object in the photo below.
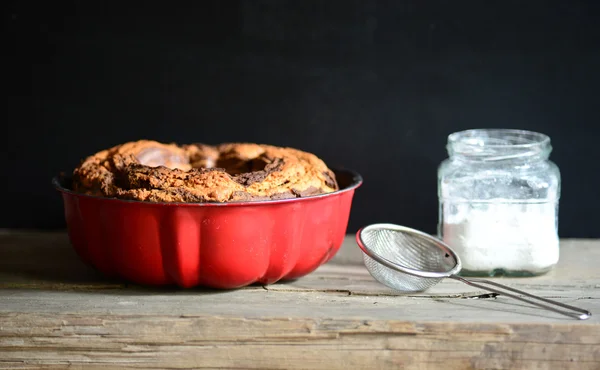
pixel 530 138
pixel 492 144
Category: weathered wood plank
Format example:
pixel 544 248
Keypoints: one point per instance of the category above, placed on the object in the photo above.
pixel 194 342
pixel 55 312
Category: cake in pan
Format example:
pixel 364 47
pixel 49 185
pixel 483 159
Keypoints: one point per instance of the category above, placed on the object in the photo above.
pixel 147 170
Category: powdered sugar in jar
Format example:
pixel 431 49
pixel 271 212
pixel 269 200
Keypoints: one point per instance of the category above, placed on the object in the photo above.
pixel 498 202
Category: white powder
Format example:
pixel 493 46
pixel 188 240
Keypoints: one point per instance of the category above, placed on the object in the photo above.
pixel 502 235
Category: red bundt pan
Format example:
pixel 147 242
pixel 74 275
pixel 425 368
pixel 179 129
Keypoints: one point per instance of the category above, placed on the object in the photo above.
pixel 218 245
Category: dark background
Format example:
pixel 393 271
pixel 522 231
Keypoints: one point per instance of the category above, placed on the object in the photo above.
pixel 371 85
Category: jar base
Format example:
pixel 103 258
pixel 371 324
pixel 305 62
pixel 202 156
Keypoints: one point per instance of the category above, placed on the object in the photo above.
pixel 500 272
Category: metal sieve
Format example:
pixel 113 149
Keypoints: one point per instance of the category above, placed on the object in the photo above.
pixel 409 260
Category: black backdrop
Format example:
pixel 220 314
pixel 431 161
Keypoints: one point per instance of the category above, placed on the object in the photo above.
pixel 371 85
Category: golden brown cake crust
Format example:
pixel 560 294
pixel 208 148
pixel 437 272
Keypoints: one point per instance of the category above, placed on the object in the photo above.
pixel 147 170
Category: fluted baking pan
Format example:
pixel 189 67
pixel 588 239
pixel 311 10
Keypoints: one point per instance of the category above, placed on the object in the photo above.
pixel 218 245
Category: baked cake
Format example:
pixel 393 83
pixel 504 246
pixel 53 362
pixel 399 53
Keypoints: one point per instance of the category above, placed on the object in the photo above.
pixel 147 170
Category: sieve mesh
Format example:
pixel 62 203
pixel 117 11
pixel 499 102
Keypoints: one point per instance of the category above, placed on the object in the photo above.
pixel 408 250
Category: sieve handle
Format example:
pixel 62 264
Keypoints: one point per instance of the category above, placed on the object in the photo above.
pixel 577 313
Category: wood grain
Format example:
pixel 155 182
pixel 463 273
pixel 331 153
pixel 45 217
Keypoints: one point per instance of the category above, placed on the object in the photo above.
pixel 56 312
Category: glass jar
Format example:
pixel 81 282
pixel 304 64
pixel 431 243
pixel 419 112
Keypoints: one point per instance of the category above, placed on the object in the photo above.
pixel 498 202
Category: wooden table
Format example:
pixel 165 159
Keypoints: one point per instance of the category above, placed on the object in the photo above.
pixel 55 312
